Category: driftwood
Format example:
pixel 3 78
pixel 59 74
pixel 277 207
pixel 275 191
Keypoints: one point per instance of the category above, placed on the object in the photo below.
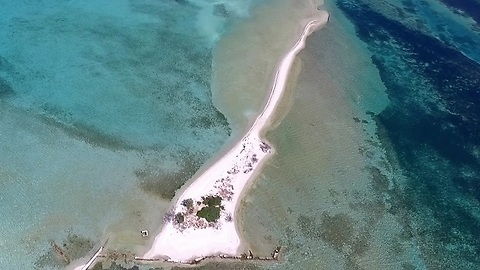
pixel 94 257
pixel 250 257
pixel 59 251
pixel 112 255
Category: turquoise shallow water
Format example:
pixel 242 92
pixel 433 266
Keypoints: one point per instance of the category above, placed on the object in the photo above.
pixel 106 110
pixel 123 71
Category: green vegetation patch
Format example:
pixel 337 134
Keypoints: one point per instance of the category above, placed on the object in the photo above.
pixel 179 218
pixel 211 212
pixel 212 200
pixel 188 203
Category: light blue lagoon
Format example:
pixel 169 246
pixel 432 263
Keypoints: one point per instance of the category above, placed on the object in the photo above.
pixel 105 111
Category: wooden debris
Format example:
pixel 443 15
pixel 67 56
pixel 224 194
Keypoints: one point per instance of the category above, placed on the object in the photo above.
pixel 275 253
pixel 58 250
pixel 250 255
pixel 274 256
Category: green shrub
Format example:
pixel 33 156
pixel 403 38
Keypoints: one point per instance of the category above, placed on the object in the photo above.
pixel 188 203
pixel 212 200
pixel 210 213
pixel 179 218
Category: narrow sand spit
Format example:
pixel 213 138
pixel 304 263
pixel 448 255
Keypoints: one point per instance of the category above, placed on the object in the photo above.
pixel 185 237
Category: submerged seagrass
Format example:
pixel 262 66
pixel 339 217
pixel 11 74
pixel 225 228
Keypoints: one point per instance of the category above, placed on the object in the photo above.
pixel 104 104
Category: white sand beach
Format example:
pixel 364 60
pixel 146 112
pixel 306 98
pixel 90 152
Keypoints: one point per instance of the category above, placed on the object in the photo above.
pixel 186 237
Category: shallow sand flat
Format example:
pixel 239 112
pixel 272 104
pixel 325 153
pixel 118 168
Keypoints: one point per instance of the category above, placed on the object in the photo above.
pixel 319 196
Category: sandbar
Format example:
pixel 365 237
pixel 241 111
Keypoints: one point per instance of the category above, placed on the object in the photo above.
pixel 186 237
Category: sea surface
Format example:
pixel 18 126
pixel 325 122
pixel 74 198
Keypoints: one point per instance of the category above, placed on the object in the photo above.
pixel 108 107
pixel 105 111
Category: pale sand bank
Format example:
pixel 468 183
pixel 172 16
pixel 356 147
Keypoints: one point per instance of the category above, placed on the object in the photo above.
pixel 246 59
pixel 194 237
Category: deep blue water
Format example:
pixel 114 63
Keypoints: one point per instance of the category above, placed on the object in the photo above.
pixel 469 7
pixel 432 125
